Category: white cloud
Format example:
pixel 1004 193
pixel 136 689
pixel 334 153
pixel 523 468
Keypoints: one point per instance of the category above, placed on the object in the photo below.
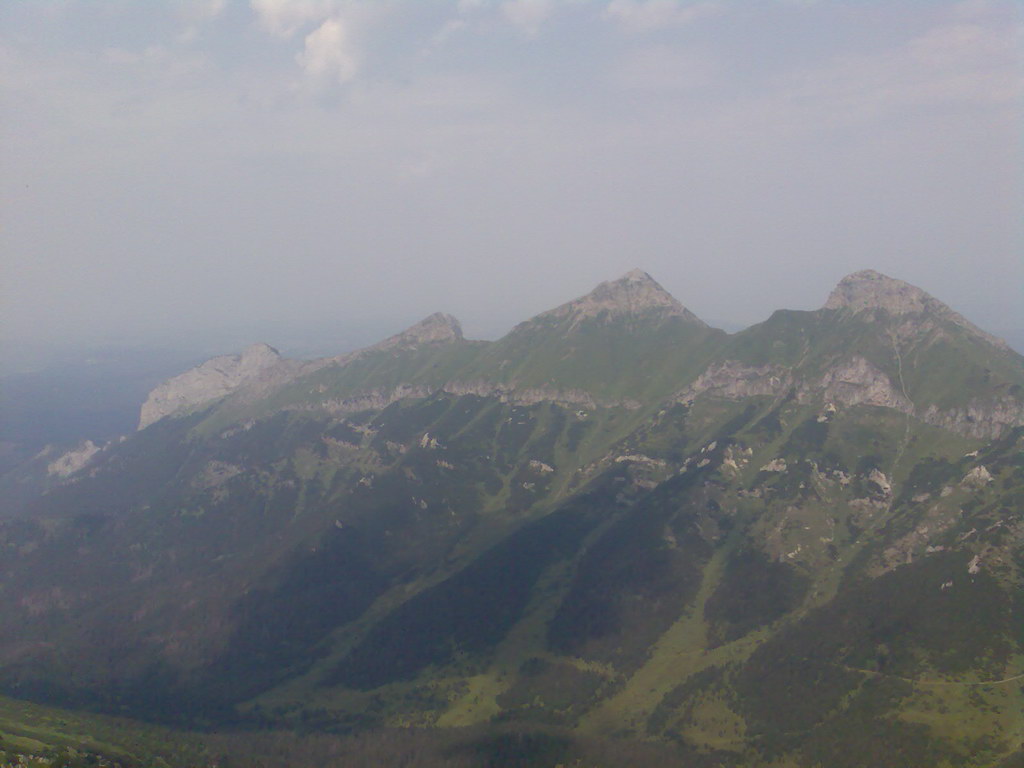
pixel 286 17
pixel 853 148
pixel 647 15
pixel 333 31
pixel 528 15
pixel 329 52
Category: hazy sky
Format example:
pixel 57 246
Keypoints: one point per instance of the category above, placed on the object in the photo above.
pixel 174 168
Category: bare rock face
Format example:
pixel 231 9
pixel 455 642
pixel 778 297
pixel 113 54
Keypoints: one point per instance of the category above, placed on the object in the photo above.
pixel 209 381
pixel 634 293
pixel 849 382
pixel 510 393
pixel 732 380
pixel 73 461
pixel 871 291
pixel 439 328
pixel 858 382
pixel 985 420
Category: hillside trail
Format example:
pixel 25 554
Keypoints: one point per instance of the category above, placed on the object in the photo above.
pixel 913 407
pixel 914 681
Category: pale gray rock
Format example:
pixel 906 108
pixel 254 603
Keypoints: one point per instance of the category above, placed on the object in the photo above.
pixel 635 293
pixel 212 380
pixel 73 461
pixel 869 291
pixel 978 476
pixel 982 419
pixel 849 382
pixel 854 382
pixel 732 380
pixel 376 400
pixel 260 370
pixel 510 393
pixel 857 382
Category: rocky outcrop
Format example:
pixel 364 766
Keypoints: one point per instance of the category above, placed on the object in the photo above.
pixel 732 380
pixel 854 382
pixel 378 399
pixel 372 400
pixel 906 315
pixel 871 291
pixel 985 420
pixel 73 461
pixel 850 382
pixel 635 293
pixel 509 393
pixel 209 381
pixel 857 382
pixel 260 369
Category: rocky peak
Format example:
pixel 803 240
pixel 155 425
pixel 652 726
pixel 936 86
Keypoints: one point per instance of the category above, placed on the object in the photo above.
pixel 869 290
pixel 635 293
pixel 217 377
pixel 256 357
pixel 438 328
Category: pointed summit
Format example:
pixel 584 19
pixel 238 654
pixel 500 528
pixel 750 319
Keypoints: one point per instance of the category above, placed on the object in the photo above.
pixel 438 328
pixel 635 293
pixel 637 275
pixel 256 357
pixel 869 290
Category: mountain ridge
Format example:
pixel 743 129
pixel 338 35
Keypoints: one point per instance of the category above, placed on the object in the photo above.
pixel 535 361
pixel 752 546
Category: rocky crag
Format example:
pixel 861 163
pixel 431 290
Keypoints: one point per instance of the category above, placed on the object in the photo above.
pixel 210 381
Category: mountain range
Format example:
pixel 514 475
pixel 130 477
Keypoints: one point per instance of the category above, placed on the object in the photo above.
pixel 801 544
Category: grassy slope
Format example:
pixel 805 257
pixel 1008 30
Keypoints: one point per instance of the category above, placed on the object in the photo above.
pixel 644 359
pixel 37 729
pixel 650 563
pixel 681 650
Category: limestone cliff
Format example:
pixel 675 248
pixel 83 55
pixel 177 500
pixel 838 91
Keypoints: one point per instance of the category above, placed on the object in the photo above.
pixel 209 381
pixel 74 460
pixel 876 342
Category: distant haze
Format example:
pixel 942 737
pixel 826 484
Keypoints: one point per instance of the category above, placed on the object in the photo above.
pixel 278 170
